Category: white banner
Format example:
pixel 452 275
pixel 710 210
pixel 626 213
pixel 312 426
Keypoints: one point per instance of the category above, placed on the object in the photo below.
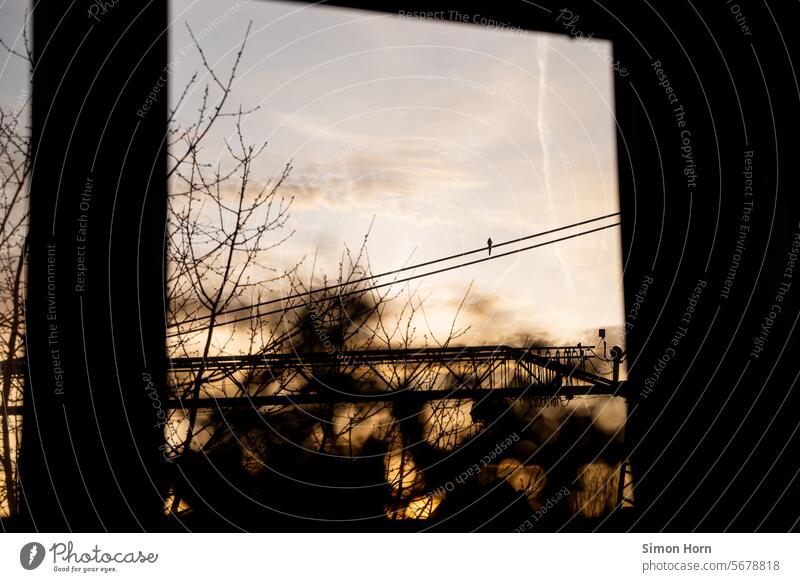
pixel 399 557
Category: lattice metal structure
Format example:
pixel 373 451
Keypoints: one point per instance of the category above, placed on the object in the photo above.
pixel 427 374
pixel 541 376
pixel 491 377
pixel 543 373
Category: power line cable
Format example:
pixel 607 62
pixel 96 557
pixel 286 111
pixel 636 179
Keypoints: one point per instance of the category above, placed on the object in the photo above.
pixel 396 271
pixel 381 285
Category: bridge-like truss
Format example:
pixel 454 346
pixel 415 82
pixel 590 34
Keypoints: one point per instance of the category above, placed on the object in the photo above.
pixel 541 376
pixel 542 373
pixel 440 373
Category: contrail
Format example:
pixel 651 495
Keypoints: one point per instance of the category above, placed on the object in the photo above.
pixel 541 95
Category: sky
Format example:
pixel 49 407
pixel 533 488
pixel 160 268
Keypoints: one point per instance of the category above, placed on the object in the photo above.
pixel 440 135
pixel 14 86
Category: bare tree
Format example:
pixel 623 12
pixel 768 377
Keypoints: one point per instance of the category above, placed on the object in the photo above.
pixel 325 328
pixel 224 223
pixel 15 168
pixel 218 243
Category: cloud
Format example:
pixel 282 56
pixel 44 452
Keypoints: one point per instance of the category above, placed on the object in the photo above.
pixel 312 127
pixel 399 178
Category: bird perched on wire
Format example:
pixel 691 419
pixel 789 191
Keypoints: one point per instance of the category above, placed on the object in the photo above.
pixel 489 244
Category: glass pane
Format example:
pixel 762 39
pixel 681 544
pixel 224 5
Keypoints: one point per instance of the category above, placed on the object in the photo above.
pixel 400 235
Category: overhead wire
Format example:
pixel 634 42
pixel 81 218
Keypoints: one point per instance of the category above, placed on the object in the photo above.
pixel 311 292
